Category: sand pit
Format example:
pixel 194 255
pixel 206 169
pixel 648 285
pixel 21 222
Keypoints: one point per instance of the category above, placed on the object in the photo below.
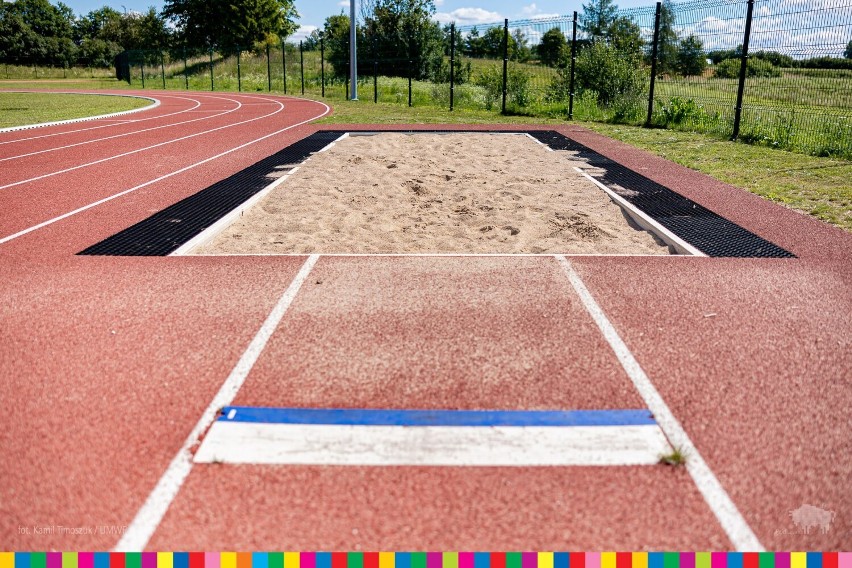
pixel 435 193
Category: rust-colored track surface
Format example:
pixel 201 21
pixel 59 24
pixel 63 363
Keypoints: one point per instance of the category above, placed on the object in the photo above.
pixel 108 362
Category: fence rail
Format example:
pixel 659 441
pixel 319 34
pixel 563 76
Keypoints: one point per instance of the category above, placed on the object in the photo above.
pixel 764 71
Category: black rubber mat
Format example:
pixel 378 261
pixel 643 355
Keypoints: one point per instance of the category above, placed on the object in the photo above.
pixel 166 231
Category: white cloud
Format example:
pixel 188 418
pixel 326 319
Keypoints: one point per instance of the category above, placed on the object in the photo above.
pixel 302 33
pixel 439 2
pixel 468 16
pixel 533 12
pixel 343 4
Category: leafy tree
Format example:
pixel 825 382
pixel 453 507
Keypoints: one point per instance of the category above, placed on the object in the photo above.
pixel 730 69
pixel 336 40
pixel 848 52
pixel 625 35
pixel 615 79
pixel 403 38
pixel 775 58
pixel 230 25
pixel 597 17
pixel 99 53
pixel 553 47
pixel 690 57
pixel 520 50
pixel 473 44
pixel 35 31
pixel 668 40
pixel 43 18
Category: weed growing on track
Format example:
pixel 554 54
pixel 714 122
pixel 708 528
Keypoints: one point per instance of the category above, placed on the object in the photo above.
pixel 674 458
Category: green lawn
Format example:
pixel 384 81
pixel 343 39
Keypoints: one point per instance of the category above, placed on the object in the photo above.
pixel 18 109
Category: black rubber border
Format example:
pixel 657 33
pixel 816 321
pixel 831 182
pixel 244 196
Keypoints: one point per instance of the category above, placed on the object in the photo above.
pixel 166 231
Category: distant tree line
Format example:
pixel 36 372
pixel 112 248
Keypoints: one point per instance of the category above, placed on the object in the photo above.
pixel 36 32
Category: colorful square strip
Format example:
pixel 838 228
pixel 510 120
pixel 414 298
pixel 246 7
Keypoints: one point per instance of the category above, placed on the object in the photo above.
pixel 426 560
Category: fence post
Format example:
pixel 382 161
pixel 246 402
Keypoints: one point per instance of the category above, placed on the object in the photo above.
pixel 322 64
pixel 163 69
pixel 142 69
pixel 211 70
pixel 452 64
pixel 654 55
pixel 573 61
pixel 505 60
pixel 239 76
pixel 284 64
pixel 743 72
pixel 302 64
pixel 268 71
pixel 185 70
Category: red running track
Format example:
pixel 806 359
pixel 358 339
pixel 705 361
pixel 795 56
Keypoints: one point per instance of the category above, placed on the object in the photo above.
pixel 108 362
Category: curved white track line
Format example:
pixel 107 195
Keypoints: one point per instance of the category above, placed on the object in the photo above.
pixel 138 150
pixel 155 104
pixel 197 104
pixel 56 149
pixel 147 183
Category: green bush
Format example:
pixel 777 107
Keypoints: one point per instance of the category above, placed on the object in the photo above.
pixel 730 69
pixel 677 111
pixel 618 79
pixel 517 86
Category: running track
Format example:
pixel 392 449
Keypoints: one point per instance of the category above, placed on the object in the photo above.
pixel 108 363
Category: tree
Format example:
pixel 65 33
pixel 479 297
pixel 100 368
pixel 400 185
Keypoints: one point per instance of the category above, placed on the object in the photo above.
pixel 231 25
pixel 553 47
pixel 848 52
pixel 598 16
pixel 668 40
pixel 691 59
pixel 625 36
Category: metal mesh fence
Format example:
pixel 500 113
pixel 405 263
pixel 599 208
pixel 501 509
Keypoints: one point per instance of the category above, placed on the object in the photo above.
pixel 772 72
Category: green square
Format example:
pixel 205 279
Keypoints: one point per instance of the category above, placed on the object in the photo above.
pixel 276 559
pixel 39 560
pixel 132 560
pixel 418 560
pixel 766 559
pixel 355 560
pixel 451 560
pixel 513 560
pixel 671 560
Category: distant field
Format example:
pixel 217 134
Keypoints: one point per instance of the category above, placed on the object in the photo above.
pixel 18 109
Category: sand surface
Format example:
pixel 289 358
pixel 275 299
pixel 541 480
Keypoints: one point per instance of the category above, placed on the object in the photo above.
pixel 435 193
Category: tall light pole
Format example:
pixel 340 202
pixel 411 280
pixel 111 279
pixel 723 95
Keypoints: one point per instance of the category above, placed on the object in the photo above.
pixel 353 54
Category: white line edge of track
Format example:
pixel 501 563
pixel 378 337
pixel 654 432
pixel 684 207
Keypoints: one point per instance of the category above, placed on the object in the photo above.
pixel 720 503
pixel 155 104
pixel 149 516
pixel 43 224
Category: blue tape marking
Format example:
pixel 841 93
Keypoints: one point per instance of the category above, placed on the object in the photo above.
pixel 259 560
pixel 22 559
pixel 360 417
pixel 560 560
pixel 323 560
pixel 179 560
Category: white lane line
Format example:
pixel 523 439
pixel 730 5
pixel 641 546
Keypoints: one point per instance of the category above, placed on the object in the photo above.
pixel 729 517
pixel 154 104
pixel 151 513
pixel 464 446
pixel 23 232
pixel 236 108
pixel 138 150
pixel 117 123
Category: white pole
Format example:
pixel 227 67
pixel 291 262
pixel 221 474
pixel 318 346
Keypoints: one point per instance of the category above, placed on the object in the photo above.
pixel 353 52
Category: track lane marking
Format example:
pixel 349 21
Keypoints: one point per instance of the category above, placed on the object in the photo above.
pixel 43 224
pixel 717 499
pixel 138 150
pixel 149 516
pixel 76 144
pixel 119 122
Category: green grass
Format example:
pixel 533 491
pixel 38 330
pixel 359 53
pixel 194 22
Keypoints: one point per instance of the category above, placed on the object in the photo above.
pixel 18 109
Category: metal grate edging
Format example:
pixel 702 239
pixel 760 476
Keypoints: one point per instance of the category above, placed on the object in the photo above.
pixel 166 231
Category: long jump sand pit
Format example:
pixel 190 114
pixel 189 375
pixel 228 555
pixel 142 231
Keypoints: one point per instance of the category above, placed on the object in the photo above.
pixel 435 193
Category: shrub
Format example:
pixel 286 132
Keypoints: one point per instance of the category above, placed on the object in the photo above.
pixel 730 69
pixel 616 78
pixel 517 86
